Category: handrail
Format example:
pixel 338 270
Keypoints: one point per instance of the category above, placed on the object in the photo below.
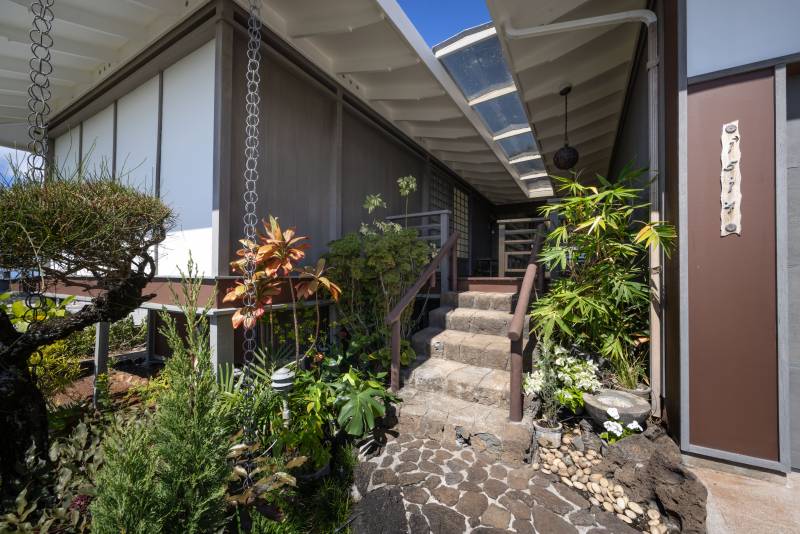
pixel 517 322
pixel 417 214
pixel 393 318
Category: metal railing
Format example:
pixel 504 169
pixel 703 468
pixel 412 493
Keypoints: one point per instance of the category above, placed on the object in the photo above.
pixel 434 227
pixel 514 239
pixel 429 274
pixel 532 273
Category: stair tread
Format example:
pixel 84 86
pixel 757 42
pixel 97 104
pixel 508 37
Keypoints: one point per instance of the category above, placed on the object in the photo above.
pixel 484 385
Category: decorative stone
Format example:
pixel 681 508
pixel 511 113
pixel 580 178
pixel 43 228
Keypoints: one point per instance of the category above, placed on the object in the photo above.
pixel 522 526
pixel 417 524
pixel 496 517
pixel 416 494
pixel 518 478
pixel 443 520
pixel 625 518
pixel 456 465
pixel 547 521
pixel 410 455
pixel 387 461
pixel 582 518
pixel 494 488
pixel 635 508
pixel 518 509
pixel 549 500
pixel 384 476
pixel 472 504
pixel 630 407
pixel 406 467
pixel 445 495
pixel 652 513
pixel 453 478
pixel 430 467
pixel 498 471
pixel 477 474
pixel 382 511
pixel 410 479
pixel 469 486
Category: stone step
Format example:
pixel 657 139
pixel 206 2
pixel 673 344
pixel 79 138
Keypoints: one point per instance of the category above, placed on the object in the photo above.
pixel 443 417
pixel 480 300
pixel 482 385
pixel 482 350
pixel 476 321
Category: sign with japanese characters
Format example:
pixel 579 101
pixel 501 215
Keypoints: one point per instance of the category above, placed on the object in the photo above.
pixel 730 179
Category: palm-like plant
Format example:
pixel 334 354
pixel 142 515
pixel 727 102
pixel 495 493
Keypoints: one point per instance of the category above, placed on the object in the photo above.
pixel 601 303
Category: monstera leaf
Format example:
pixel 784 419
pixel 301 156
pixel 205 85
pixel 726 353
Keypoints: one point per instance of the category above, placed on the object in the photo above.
pixel 357 415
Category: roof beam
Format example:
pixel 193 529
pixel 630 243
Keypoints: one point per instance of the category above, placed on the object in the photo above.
pixel 466 41
pixel 90 20
pixel 313 26
pixel 161 6
pixel 511 133
pixel 401 92
pixel 16 113
pixel 65 74
pixel 461 145
pixel 374 64
pixel 60 45
pixel 424 113
pixel 485 156
pixel 554 48
pixel 440 132
pixel 14 101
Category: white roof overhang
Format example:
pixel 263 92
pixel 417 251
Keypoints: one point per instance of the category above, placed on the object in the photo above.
pixel 595 59
pixel 370 46
pixel 90 40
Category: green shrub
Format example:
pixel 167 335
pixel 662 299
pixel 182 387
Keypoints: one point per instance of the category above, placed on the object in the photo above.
pixel 601 303
pixel 54 368
pixel 180 473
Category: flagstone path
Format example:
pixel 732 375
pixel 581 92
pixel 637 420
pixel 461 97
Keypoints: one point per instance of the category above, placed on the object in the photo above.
pixel 445 488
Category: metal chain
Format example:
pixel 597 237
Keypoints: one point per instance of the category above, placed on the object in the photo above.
pixel 39 92
pixel 250 198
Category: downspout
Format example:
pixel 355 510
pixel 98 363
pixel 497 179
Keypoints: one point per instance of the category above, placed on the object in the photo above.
pixel 649 19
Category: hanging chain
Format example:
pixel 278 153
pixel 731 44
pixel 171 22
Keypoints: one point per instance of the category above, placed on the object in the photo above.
pixel 250 197
pixel 566 138
pixel 39 92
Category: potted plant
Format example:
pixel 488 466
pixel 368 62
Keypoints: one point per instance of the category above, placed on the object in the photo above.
pixel 543 382
pixel 601 301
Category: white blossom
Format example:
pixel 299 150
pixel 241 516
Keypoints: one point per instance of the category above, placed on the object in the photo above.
pixel 614 427
pixel 613 413
pixel 634 426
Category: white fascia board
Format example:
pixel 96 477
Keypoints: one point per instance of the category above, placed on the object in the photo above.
pixel 512 133
pixel 531 176
pixel 491 95
pixel 528 157
pixel 466 41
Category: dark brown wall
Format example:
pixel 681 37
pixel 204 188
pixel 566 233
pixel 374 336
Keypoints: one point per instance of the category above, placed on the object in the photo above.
pixel 733 402
pixel 669 177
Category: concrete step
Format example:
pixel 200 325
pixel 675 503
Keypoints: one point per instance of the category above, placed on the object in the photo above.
pixel 482 385
pixel 480 300
pixel 481 350
pixel 445 418
pixel 476 321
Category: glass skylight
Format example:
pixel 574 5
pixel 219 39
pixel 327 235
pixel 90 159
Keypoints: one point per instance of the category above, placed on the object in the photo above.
pixel 474 59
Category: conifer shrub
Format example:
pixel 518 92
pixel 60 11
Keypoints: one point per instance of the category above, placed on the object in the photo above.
pixel 169 472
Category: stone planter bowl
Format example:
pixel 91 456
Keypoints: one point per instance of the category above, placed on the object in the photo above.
pixel 642 391
pixel 630 407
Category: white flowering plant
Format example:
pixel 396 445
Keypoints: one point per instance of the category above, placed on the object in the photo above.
pixel 572 376
pixel 616 430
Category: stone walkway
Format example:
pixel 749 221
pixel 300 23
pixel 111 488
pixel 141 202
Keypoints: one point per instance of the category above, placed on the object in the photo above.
pixel 420 485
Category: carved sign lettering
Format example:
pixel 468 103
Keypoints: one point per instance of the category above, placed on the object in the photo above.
pixel 730 179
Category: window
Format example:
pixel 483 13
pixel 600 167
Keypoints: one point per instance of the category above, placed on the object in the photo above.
pixel 461 221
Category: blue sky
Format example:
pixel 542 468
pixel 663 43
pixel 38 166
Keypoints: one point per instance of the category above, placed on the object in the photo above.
pixel 17 156
pixel 437 20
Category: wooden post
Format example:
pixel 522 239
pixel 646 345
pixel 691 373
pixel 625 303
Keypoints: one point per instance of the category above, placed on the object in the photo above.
pixel 100 356
pixel 444 230
pixel 515 412
pixel 395 377
pixel 454 268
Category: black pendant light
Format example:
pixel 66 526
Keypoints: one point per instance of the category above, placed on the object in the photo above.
pixel 565 157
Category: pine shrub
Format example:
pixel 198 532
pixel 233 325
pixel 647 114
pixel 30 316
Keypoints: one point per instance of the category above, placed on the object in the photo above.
pixel 183 447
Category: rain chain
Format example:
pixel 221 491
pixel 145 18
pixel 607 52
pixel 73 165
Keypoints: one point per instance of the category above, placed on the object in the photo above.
pixel 39 92
pixel 250 198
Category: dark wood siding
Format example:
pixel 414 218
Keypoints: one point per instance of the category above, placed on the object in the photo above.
pixel 793 185
pixel 733 399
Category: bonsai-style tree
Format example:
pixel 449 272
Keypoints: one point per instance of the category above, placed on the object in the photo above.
pixel 600 304
pixel 83 230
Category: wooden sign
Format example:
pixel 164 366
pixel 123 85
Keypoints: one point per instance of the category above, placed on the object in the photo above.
pixel 730 178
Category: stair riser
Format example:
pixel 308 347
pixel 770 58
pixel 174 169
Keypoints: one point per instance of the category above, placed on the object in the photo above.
pixel 476 323
pixel 478 355
pixel 481 301
pixel 460 387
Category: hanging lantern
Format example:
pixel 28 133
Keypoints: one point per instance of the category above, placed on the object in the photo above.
pixel 565 157
pixel 282 382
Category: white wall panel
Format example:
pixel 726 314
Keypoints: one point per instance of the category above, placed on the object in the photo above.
pixel 722 33
pixel 137 136
pixel 98 142
pixel 67 151
pixel 187 149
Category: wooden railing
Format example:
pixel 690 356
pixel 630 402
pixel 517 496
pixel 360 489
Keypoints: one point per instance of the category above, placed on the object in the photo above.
pixel 428 275
pixel 514 239
pixel 532 272
pixel 433 227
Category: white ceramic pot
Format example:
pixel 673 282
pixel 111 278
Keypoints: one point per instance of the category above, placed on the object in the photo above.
pixel 550 435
